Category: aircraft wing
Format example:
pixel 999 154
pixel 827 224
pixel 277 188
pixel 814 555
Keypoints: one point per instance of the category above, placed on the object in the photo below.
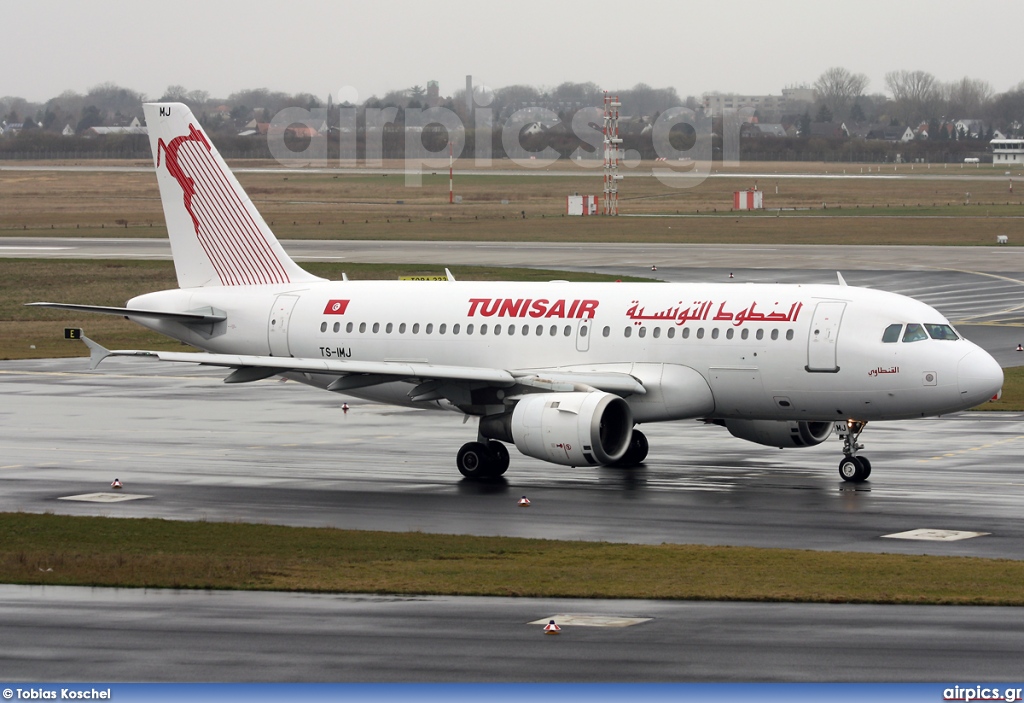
pixel 360 374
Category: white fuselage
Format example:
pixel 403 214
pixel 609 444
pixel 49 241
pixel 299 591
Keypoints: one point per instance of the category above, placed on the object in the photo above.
pixel 778 352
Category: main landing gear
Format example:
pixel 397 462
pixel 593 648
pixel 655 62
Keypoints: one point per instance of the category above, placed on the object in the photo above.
pixel 480 460
pixel 852 468
pixel 636 452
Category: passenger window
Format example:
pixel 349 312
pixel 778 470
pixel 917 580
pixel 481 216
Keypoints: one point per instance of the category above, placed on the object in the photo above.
pixel 389 328
pixel 441 328
pixel 497 329
pixel 657 332
pixel 416 328
pixel 554 330
pixel 914 333
pixel 323 326
pixel 944 332
pixel 456 327
pixel 642 332
pixel 775 334
pixel 700 333
pixel 483 329
pixel 789 335
pixel 469 329
pixel 627 332
pixel 376 327
pixel 526 330
pixel 348 328
pixel 540 330
pixel 671 332
pixel 891 334
pixel 362 327
pixel 759 334
pixel 686 333
pixel 606 331
pixel 729 333
pixel 714 333
pixel 744 334
pixel 430 328
pixel 567 331
pixel 401 328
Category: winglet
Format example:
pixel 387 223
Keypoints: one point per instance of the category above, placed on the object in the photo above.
pixel 449 274
pixel 97 352
pixel 842 281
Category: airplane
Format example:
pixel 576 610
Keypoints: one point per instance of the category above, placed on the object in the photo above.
pixel 563 371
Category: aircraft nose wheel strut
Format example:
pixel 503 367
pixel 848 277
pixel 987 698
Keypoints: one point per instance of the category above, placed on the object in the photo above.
pixel 852 468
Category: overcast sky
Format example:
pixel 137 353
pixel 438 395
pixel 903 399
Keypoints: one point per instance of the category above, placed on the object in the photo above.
pixel 222 46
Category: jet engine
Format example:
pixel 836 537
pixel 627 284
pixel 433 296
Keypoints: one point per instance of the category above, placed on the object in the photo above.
pixel 780 433
pixel 572 429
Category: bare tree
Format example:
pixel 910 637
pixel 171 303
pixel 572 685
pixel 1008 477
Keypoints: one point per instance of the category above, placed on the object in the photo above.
pixel 968 97
pixel 916 95
pixel 837 89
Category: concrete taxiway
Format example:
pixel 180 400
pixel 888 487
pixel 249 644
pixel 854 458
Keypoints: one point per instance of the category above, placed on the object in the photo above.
pixel 76 634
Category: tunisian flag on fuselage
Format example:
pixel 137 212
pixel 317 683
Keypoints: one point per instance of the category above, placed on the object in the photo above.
pixel 335 307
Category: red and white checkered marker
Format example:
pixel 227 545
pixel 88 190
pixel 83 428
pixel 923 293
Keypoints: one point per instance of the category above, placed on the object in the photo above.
pixel 524 502
pixel 551 628
pixel 116 483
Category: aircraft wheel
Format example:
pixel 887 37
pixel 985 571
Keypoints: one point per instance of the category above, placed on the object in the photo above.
pixel 867 465
pixel 474 460
pixel 636 452
pixel 501 458
pixel 853 469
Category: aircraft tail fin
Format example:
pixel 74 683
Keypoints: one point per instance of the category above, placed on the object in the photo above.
pixel 218 238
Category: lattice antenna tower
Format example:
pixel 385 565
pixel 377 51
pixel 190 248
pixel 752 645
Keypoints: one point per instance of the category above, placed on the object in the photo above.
pixel 612 148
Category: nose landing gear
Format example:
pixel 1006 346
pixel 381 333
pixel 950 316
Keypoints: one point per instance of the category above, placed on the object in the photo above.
pixel 852 468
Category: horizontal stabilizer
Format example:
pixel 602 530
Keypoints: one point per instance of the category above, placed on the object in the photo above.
pixel 195 317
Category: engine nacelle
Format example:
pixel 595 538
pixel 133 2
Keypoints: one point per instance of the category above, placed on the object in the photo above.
pixel 780 433
pixel 572 429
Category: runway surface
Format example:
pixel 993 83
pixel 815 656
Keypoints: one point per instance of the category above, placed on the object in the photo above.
pixel 279 452
pixel 75 634
pixel 621 258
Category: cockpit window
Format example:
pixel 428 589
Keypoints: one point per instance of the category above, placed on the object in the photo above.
pixel 914 333
pixel 941 332
pixel 892 334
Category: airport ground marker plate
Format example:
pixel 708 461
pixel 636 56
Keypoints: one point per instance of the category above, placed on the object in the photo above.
pixel 105 497
pixel 578 620
pixel 936 535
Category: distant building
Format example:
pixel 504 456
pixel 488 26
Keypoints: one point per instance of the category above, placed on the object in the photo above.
pixel 767 106
pixel 1007 151
pixel 891 134
pixel 972 128
pixel 433 98
pixel 829 130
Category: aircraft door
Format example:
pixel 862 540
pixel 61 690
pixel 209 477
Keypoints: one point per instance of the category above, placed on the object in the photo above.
pixel 277 325
pixel 823 336
pixel 583 334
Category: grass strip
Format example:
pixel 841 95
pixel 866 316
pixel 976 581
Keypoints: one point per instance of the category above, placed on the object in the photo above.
pixel 150 553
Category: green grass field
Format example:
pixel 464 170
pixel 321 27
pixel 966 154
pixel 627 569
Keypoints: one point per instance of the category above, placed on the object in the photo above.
pixel 91 551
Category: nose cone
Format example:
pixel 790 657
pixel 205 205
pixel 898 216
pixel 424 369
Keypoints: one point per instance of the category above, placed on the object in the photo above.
pixel 979 377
